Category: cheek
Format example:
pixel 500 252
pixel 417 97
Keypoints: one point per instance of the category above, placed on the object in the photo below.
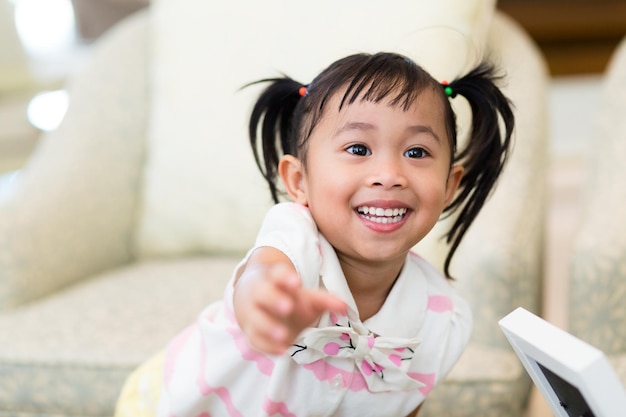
pixel 432 194
pixel 322 177
pixel 321 191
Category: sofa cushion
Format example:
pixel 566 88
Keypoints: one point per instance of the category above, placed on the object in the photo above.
pixel 71 212
pixel 618 362
pixel 70 353
pixel 200 163
pixel 597 286
pixel 486 382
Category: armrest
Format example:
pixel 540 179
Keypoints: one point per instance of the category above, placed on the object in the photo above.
pixel 72 212
pixel 597 265
pixel 504 248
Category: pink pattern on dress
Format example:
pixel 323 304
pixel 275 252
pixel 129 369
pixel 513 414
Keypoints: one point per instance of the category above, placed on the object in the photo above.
pixel 396 359
pixel 427 379
pixel 440 303
pixel 174 349
pixel 205 389
pixel 368 369
pixel 272 408
pixel 324 371
pixel 263 362
pixel 224 395
pixel 332 348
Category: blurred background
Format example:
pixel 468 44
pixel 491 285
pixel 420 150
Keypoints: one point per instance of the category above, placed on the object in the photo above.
pixel 42 42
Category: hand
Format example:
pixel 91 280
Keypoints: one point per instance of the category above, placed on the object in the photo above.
pixel 272 308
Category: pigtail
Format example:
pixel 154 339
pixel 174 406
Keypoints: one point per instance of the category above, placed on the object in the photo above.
pixel 486 151
pixel 273 113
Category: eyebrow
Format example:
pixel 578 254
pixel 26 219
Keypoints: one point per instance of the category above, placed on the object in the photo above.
pixel 364 126
pixel 425 129
pixel 356 126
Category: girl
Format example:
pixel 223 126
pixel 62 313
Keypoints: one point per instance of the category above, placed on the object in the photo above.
pixel 331 313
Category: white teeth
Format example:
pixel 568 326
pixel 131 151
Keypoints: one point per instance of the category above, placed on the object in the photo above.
pixel 381 215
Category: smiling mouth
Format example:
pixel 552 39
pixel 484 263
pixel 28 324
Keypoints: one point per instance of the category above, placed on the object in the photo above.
pixel 382 215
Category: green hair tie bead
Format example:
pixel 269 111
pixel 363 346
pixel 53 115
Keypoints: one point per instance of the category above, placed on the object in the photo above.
pixel 448 90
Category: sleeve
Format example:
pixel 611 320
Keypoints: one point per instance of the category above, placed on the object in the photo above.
pixel 290 228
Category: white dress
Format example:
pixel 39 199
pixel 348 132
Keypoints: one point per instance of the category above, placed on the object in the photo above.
pixel 384 366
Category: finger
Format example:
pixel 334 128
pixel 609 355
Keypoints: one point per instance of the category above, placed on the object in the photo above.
pixel 313 303
pixel 273 298
pixel 285 291
pixel 266 333
pixel 285 277
pixel 268 347
pixel 322 301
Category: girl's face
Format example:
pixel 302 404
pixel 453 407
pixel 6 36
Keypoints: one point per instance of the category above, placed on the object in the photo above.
pixel 376 178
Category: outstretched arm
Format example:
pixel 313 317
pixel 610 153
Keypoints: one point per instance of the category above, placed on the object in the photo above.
pixel 270 304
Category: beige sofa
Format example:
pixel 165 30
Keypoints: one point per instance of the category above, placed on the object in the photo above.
pixel 81 307
pixel 597 265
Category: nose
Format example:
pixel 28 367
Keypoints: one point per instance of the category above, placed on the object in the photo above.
pixel 387 172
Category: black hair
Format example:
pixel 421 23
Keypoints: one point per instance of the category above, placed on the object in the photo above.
pixel 285 115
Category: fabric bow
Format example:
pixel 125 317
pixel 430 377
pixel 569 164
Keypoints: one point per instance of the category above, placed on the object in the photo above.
pixel 382 361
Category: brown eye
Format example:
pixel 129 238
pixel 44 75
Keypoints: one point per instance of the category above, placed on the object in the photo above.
pixel 359 150
pixel 416 153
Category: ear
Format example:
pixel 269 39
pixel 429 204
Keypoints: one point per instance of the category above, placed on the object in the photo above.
pixel 454 179
pixel 291 173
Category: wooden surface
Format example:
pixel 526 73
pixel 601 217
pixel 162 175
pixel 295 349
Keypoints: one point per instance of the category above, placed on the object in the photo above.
pixel 576 36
